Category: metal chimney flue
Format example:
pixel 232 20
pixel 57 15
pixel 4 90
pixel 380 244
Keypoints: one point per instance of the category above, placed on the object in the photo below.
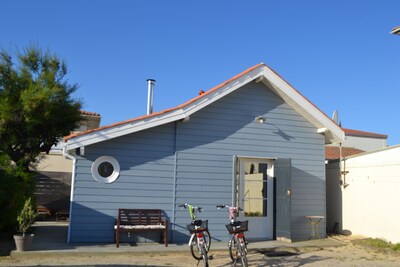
pixel 150 95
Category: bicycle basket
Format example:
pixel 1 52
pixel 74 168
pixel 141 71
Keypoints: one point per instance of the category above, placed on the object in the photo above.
pixel 237 227
pixel 199 224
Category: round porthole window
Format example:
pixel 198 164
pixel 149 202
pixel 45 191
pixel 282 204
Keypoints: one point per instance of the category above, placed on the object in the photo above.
pixel 105 169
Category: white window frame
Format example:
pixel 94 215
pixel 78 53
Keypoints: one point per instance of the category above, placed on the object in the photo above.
pixel 95 169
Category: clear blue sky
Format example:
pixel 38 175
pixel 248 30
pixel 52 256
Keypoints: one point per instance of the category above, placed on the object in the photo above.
pixel 339 54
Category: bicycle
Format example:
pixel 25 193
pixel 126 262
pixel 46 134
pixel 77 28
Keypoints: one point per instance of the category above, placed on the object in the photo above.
pixel 200 240
pixel 237 243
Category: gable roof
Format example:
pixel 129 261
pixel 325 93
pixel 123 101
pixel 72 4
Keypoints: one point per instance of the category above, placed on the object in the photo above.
pixel 260 73
pixel 356 133
pixel 333 152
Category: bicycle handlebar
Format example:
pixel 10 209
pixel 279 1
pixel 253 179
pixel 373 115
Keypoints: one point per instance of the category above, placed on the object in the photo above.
pixel 192 210
pixel 232 211
pixel 228 207
pixel 186 205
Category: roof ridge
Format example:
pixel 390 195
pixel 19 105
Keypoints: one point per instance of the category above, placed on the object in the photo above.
pixel 66 138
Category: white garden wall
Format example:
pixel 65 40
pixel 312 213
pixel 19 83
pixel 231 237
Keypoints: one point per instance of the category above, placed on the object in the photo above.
pixel 371 199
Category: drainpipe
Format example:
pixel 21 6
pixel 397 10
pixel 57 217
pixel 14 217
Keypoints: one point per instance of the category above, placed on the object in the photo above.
pixel 150 95
pixel 67 155
pixel 343 171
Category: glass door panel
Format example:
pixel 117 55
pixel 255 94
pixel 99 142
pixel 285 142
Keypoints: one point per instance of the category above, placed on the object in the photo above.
pixel 254 195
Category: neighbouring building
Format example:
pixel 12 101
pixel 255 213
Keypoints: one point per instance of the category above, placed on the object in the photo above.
pixel 53 186
pixel 362 190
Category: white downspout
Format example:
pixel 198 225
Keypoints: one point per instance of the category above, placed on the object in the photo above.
pixel 67 155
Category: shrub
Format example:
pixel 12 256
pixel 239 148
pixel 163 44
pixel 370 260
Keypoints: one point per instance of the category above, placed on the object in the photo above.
pixel 27 216
pixel 15 185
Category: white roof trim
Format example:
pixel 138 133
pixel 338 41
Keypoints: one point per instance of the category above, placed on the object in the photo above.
pixel 221 92
pixel 333 134
pixel 123 129
pixel 297 101
pixel 373 151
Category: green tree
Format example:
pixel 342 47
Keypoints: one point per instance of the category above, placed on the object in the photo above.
pixel 37 109
pixel 15 183
pixel 36 104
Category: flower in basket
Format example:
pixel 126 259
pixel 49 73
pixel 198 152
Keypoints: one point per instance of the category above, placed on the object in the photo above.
pixel 26 217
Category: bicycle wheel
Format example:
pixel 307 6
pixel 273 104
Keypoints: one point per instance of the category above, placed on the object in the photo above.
pixel 204 254
pixel 195 250
pixel 243 252
pixel 207 239
pixel 233 249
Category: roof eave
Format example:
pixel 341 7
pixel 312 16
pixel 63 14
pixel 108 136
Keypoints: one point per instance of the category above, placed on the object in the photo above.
pixel 261 72
pixel 181 112
pixel 122 129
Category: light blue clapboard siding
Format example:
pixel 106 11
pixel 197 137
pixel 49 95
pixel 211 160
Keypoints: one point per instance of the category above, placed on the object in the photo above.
pixel 146 181
pixel 203 149
pixel 226 128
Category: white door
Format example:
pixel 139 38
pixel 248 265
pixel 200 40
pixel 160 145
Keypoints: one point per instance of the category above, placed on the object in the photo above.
pixel 255 196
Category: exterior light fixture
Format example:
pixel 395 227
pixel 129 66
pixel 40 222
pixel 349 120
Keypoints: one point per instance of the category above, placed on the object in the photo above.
pixel 396 30
pixel 260 119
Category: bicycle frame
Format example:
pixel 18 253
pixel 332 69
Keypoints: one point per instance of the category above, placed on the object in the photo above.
pixel 237 240
pixel 193 214
pixel 200 237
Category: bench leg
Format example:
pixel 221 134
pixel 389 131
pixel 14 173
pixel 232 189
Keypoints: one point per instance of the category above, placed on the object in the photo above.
pixel 166 235
pixel 116 238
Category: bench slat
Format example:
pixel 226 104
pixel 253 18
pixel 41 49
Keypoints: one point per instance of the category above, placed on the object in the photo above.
pixel 140 220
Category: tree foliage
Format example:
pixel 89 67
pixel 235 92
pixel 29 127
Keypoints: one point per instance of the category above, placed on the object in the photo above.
pixel 37 107
pixel 15 183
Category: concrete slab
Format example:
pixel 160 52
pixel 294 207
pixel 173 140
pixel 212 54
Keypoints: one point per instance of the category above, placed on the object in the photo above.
pixel 51 237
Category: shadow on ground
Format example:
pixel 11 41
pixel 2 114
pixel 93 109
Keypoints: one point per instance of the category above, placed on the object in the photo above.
pixel 6 244
pixel 287 257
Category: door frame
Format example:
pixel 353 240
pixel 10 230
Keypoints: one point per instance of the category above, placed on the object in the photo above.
pixel 239 174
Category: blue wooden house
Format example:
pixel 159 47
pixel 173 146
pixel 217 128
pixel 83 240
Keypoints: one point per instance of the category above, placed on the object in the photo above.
pixel 252 141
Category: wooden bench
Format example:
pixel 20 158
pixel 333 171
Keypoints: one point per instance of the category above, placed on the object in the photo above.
pixel 43 211
pixel 62 215
pixel 141 220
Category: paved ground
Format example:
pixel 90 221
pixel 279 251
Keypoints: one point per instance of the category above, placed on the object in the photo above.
pixel 50 249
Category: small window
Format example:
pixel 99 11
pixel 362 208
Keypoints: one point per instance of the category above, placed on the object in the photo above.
pixel 105 169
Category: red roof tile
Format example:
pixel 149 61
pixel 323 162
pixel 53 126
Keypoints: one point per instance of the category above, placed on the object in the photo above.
pixel 89 113
pixel 203 94
pixel 357 133
pixel 200 95
pixel 333 152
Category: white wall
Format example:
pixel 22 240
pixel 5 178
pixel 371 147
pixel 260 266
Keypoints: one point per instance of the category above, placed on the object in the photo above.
pixel 364 143
pixel 372 198
pixel 55 162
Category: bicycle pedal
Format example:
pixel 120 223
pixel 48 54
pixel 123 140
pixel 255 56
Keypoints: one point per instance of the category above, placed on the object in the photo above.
pixel 210 257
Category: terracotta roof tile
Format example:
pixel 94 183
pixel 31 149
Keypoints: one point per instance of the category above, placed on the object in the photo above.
pixel 357 133
pixel 89 113
pixel 333 152
pixel 203 94
pixel 199 96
